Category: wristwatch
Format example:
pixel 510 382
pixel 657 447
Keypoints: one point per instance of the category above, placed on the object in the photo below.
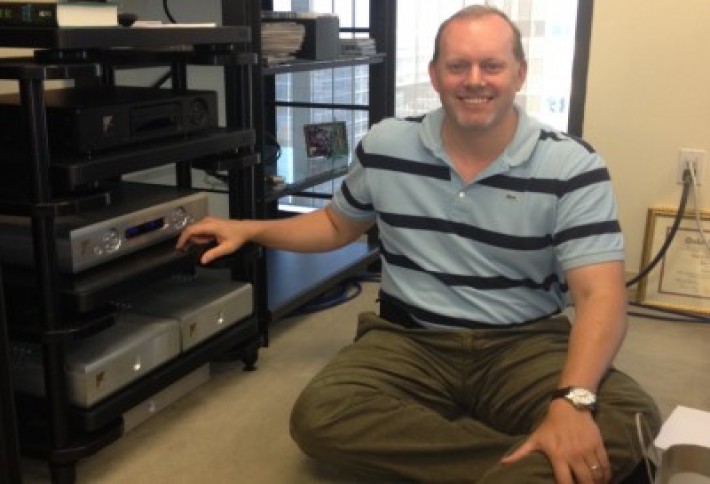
pixel 581 398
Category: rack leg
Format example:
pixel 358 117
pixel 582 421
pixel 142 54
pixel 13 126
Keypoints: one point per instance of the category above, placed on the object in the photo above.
pixel 63 473
pixel 250 361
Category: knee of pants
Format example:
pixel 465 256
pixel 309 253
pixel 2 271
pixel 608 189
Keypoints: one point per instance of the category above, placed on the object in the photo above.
pixel 621 398
pixel 317 418
pixel 302 422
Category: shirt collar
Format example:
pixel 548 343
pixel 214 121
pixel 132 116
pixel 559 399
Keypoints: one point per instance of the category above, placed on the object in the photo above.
pixel 519 150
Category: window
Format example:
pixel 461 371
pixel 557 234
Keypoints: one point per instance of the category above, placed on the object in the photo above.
pixel 343 86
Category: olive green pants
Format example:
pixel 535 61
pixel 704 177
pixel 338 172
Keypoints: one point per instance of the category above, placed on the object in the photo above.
pixel 405 404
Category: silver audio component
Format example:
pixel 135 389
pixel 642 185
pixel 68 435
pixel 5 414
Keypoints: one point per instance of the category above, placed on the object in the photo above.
pixel 164 398
pixel 103 363
pixel 203 304
pixel 138 216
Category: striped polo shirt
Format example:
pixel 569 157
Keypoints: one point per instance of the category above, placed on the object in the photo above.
pixel 490 251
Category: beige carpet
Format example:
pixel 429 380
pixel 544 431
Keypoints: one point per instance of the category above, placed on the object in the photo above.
pixel 234 429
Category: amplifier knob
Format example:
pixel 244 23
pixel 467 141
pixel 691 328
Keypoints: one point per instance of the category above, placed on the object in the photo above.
pixel 111 240
pixel 179 218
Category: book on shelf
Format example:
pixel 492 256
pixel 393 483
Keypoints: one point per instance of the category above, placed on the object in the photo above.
pixel 58 13
pixel 357 47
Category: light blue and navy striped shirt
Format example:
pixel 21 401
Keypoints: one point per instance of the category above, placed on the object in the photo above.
pixel 493 250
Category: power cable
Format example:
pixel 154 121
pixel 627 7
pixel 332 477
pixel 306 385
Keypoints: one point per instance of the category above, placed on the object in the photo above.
pixel 342 293
pixel 166 9
pixel 671 235
pixel 346 291
pixel 697 205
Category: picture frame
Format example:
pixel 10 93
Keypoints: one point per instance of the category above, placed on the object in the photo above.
pixel 326 140
pixel 681 280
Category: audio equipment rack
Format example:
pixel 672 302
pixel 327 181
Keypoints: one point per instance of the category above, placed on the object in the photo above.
pixel 42 184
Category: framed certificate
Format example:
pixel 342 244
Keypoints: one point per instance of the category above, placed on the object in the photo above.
pixel 681 280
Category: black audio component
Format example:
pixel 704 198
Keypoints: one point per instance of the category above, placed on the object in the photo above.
pixel 94 118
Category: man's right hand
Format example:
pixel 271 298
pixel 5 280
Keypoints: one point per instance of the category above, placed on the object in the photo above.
pixel 227 235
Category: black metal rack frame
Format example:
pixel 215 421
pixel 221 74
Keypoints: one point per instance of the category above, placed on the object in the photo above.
pixel 9 442
pixel 71 54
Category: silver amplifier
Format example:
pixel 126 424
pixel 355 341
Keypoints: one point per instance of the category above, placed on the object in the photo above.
pixel 138 216
pixel 103 363
pixel 203 303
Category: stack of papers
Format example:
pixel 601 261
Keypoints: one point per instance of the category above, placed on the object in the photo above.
pixel 357 47
pixel 685 426
pixel 280 40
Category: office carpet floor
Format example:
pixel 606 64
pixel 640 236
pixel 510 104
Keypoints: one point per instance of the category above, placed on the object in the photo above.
pixel 234 428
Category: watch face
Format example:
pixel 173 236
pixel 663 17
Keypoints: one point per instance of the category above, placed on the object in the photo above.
pixel 581 397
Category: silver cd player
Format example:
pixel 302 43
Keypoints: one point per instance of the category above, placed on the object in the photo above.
pixel 138 216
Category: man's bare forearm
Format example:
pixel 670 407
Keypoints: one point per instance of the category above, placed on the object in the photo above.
pixel 317 231
pixel 599 329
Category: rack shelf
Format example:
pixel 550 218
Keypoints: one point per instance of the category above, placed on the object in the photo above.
pixel 103 414
pixel 112 37
pixel 15 201
pixel 298 186
pixel 72 172
pixel 301 65
pixel 315 273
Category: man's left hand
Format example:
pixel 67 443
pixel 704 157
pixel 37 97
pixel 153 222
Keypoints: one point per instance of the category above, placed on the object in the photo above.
pixel 572 442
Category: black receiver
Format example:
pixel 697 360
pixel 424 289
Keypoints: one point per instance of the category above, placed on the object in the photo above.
pixel 95 118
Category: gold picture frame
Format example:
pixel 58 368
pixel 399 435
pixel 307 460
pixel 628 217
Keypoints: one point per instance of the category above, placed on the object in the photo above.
pixel 681 280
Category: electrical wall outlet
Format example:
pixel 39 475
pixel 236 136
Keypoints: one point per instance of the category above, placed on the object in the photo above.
pixel 694 158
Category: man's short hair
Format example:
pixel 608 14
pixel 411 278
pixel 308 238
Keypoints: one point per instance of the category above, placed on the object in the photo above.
pixel 476 12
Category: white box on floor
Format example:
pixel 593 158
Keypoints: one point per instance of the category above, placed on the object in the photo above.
pixel 203 304
pixel 684 447
pixel 105 362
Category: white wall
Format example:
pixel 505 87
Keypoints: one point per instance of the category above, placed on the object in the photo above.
pixel 648 95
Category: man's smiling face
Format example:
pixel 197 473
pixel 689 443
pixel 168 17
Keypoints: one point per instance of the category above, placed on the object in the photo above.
pixel 476 72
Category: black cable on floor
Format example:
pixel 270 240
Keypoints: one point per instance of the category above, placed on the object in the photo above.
pixel 340 294
pixel 346 291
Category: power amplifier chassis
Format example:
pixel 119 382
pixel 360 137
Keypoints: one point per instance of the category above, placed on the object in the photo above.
pixel 95 118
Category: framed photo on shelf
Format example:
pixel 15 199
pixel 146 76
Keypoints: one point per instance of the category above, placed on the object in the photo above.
pixel 681 280
pixel 326 140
